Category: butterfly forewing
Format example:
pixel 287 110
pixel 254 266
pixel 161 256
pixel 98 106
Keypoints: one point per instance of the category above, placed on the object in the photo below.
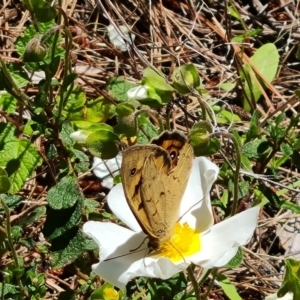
pixel 161 192
pixel 131 172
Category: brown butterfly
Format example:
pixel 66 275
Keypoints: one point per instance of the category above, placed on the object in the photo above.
pixel 154 178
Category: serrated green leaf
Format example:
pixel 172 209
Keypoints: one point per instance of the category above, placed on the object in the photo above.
pixel 19 157
pixel 118 87
pixel 12 201
pixel 58 222
pixel 84 162
pixel 33 216
pixel 7 133
pixel 68 247
pixel 236 260
pixel 65 194
pixel 18 74
pixel 8 103
pixel 256 149
pixel 148 132
pixel 228 288
pixel 66 130
pixel 9 289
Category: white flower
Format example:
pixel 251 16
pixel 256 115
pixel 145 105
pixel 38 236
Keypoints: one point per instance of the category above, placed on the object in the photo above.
pixel 104 169
pixel 138 92
pixel 80 136
pixel 197 240
pixel 118 40
pixel 287 296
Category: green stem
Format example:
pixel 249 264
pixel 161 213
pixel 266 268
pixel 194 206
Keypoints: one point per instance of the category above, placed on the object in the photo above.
pixel 214 273
pixel 11 246
pixel 237 168
pixel 204 276
pixel 12 88
pixel 194 282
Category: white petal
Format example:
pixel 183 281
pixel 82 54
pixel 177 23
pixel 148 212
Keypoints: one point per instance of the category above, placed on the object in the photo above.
pixel 114 241
pixel 157 268
pixel 104 169
pixel 118 40
pixel 195 205
pixel 138 92
pixel 80 135
pixel 221 242
pixel 119 206
pixel 287 296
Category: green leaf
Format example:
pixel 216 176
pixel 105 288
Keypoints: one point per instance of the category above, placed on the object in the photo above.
pixel 156 80
pixel 124 109
pixel 20 158
pixel 42 10
pixel 254 126
pixel 224 116
pixel 18 74
pixel 228 288
pixel 266 60
pixel 118 87
pixel 78 109
pixel 9 290
pixel 290 206
pixel 227 86
pixel 148 130
pixel 12 201
pixel 33 216
pixel 65 194
pixel 236 260
pixel 185 78
pixel 66 130
pixel 68 247
pixel 103 144
pixel 4 184
pixel 8 103
pixel 159 91
pixel 291 281
pixel 256 149
pixel 58 222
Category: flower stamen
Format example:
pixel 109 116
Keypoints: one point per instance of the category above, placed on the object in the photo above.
pixel 184 242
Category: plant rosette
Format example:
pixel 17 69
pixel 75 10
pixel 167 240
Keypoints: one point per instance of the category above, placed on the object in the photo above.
pixel 195 239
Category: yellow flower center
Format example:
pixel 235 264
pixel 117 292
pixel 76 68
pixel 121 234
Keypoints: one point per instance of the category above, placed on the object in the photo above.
pixel 110 293
pixel 184 242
